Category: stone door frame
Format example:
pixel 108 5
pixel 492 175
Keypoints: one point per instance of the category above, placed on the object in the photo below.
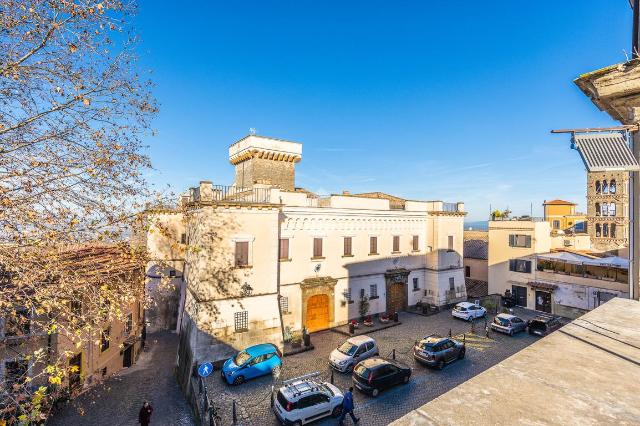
pixel 397 276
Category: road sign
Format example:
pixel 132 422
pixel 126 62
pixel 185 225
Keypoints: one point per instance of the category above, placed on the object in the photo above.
pixel 205 369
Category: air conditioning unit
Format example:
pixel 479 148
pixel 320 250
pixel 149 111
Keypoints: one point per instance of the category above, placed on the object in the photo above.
pixel 568 243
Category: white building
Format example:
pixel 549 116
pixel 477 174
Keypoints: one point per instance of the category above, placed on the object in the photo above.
pixel 263 256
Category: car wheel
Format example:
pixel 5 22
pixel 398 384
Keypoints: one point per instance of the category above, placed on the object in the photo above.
pixel 440 364
pixel 405 380
pixel 511 332
pixel 375 392
pixel 349 368
pixel 336 411
pixel 298 423
pixel 238 380
pixel 461 353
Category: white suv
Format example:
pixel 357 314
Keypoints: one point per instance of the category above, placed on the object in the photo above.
pixel 351 352
pixel 468 311
pixel 301 401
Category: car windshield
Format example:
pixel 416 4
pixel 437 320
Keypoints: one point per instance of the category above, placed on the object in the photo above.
pixel 327 389
pixel 427 346
pixel 362 371
pixel 461 308
pixel 241 358
pixel 347 348
pixel 501 321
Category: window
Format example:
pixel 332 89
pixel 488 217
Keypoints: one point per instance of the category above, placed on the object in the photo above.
pixel 581 226
pixel 396 244
pixel 183 238
pixel 467 271
pixel 612 209
pixel 597 209
pixel 556 224
pixel 347 295
pixel 520 265
pixel 415 243
pixel 450 243
pixel 516 240
pixel 373 245
pixel 241 321
pixel 15 373
pixel 452 284
pixel 598 230
pixel 242 253
pixel 317 247
pixel 598 188
pixel 613 230
pixel 416 284
pixel 104 339
pixel 128 325
pixel 348 246
pixel 284 304
pixel 612 186
pixel 362 294
pixel 373 291
pixel 604 209
pixel 605 230
pixel 172 273
pixel 284 249
pixel 605 187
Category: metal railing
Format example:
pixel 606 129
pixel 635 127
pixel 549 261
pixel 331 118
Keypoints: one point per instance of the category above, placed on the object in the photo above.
pixel 236 194
pixel 450 207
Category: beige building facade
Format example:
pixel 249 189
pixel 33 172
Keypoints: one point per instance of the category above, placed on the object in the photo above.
pixel 268 259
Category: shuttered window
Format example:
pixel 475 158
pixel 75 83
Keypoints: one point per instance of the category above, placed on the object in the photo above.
pixel 348 248
pixel 373 245
pixel 396 243
pixel 284 249
pixel 450 243
pixel 242 253
pixel 416 243
pixel 518 240
pixel 520 265
pixel 317 247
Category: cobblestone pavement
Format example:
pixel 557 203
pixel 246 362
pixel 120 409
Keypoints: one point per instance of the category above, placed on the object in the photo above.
pixel 118 400
pixel 253 397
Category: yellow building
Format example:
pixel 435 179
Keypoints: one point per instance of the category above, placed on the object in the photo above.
pixel 562 216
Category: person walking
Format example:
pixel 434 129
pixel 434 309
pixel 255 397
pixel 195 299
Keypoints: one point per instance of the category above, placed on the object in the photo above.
pixel 144 417
pixel 347 407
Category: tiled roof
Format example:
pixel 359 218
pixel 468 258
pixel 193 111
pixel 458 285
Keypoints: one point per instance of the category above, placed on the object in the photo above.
pixel 476 249
pixel 476 288
pixel 559 202
pixel 605 151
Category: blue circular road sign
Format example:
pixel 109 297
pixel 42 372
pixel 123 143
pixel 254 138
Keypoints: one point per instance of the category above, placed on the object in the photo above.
pixel 205 369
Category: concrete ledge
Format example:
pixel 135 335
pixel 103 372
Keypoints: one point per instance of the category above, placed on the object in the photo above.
pixel 364 329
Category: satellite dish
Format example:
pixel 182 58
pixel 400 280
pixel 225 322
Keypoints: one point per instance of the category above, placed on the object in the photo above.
pixel 317 268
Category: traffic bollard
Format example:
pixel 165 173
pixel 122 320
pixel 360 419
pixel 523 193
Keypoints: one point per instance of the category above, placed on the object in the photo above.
pixel 449 332
pixel 393 354
pixel 233 412
pixel 272 396
pixel 332 376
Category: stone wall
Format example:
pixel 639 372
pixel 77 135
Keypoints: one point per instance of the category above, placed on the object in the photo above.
pixel 262 170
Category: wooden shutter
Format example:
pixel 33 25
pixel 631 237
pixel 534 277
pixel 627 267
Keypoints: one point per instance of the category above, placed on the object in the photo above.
pixel 317 247
pixel 373 245
pixel 242 253
pixel 284 249
pixel 396 243
pixel 415 243
pixel 512 240
pixel 512 265
pixel 527 266
pixel 347 246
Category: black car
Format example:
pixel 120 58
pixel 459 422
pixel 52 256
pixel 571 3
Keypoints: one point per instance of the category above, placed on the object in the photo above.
pixel 436 351
pixel 543 325
pixel 375 374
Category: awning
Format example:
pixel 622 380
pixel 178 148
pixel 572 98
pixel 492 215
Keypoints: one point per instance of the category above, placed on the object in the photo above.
pixel 605 151
pixel 542 286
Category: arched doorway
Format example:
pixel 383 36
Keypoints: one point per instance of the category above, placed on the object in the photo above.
pixel 317 313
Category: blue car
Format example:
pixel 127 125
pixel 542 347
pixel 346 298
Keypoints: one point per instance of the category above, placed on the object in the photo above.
pixel 255 361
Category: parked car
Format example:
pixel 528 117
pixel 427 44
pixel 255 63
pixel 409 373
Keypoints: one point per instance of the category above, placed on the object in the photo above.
pixel 352 351
pixel 543 325
pixel 508 324
pixel 254 361
pixel 468 311
pixel 436 351
pixel 375 374
pixel 301 401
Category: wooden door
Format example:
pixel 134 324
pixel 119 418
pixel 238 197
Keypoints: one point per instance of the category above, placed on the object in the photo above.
pixel 127 357
pixel 396 298
pixel 317 313
pixel 519 295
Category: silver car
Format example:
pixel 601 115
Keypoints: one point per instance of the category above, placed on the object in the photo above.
pixel 508 324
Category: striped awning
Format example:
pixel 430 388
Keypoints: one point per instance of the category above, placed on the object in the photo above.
pixel 605 151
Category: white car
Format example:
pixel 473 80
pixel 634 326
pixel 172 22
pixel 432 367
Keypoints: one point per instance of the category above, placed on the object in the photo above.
pixel 302 400
pixel 351 352
pixel 468 311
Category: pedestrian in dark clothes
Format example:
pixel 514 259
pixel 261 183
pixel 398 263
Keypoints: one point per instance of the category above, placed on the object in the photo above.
pixel 144 417
pixel 347 407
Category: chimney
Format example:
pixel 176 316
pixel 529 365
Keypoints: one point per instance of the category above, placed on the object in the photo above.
pixel 206 190
pixel 346 192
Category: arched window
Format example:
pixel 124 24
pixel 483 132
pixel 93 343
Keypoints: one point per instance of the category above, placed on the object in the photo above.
pixel 613 230
pixel 598 231
pixel 598 187
pixel 604 210
pixel 597 209
pixel 605 230
pixel 605 187
pixel 612 186
pixel 612 209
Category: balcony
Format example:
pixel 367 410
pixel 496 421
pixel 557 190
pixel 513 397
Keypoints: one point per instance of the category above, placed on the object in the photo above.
pixel 208 193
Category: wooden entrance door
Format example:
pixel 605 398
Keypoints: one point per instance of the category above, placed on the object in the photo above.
pixel 317 313
pixel 395 298
pixel 127 357
pixel 519 295
pixel 543 301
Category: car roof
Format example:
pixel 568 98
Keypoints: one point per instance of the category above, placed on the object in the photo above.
pixel 543 318
pixel 465 304
pixel 506 316
pixel 376 361
pixel 301 388
pixel 261 349
pixel 358 340
pixel 434 338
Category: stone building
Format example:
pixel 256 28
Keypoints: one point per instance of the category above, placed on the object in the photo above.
pixel 608 211
pixel 266 258
pixel 476 266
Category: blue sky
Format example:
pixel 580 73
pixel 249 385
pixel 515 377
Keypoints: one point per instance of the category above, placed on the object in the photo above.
pixel 422 99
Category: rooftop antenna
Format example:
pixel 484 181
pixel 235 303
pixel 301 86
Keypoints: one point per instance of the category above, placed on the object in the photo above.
pixel 252 130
